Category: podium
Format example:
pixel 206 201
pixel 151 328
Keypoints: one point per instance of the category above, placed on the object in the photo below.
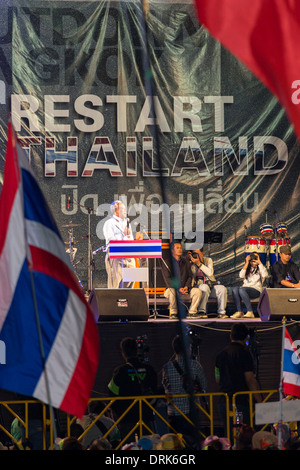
pixel 142 249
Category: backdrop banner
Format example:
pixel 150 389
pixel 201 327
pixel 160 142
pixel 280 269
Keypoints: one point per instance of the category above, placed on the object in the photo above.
pixel 74 78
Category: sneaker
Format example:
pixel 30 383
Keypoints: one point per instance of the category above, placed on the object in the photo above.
pixel 201 315
pixel 173 316
pixel 237 315
pixel 249 315
pixel 222 315
pixel 193 315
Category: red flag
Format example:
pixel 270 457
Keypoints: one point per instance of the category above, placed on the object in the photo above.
pixel 265 36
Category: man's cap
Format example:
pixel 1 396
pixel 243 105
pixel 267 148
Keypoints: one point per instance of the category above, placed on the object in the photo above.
pixel 263 439
pixel 286 249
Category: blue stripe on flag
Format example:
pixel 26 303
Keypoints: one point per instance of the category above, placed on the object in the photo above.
pixel 23 357
pixel 35 206
pixel 288 362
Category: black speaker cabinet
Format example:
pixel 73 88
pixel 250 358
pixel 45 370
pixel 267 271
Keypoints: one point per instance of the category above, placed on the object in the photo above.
pixel 119 304
pixel 275 304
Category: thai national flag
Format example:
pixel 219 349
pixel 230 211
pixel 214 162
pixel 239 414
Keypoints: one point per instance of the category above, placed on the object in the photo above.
pixel 135 249
pixel 45 321
pixel 291 361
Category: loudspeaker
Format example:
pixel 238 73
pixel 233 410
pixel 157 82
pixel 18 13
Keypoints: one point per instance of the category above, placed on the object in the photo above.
pixel 119 304
pixel 278 303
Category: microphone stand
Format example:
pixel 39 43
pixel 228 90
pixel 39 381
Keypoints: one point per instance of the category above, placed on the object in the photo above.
pixel 155 313
pixel 101 248
pixel 90 253
pixel 276 237
pixel 154 277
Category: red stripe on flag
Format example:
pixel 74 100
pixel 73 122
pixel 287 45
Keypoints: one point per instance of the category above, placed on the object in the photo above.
pixel 288 336
pixel 85 372
pixel 263 34
pixel 10 185
pixel 49 264
pixel 291 389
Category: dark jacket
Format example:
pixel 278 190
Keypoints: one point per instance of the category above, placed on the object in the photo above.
pixel 281 272
pixel 182 270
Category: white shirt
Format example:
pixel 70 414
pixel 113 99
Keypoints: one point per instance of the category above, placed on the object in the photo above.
pixel 114 228
pixel 255 280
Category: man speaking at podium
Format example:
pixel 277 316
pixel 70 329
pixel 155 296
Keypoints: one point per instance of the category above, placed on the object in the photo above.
pixel 117 228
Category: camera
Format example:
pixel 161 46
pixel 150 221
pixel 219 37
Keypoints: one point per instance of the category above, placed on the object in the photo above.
pixel 142 348
pixel 195 255
pixel 195 341
pixel 253 256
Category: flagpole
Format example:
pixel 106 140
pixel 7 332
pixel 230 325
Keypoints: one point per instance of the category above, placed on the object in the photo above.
pixel 42 352
pixel 279 426
pixel 148 78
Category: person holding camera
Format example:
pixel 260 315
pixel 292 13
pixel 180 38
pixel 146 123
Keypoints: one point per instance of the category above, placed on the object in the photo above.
pixel 182 276
pixel 254 274
pixel 203 273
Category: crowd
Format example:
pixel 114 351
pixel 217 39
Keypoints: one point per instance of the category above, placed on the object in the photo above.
pixel 181 375
pixel 247 439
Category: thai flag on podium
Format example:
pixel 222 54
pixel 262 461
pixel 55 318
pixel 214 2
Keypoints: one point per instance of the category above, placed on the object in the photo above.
pixel 135 249
pixel 48 329
pixel 291 361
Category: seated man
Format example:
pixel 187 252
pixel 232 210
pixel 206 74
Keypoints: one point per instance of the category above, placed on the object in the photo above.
pixel 203 274
pixel 178 269
pixel 285 273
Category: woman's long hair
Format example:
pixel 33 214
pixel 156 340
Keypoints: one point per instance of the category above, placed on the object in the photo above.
pixel 250 268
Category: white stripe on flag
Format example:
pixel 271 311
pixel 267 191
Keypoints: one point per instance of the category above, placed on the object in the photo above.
pixel 291 378
pixel 42 237
pixel 63 357
pixel 288 345
pixel 12 257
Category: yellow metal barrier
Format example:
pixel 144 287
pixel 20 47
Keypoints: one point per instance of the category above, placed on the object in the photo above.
pixel 268 394
pixel 206 415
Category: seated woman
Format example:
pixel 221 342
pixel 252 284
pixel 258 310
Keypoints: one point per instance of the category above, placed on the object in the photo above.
pixel 254 274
